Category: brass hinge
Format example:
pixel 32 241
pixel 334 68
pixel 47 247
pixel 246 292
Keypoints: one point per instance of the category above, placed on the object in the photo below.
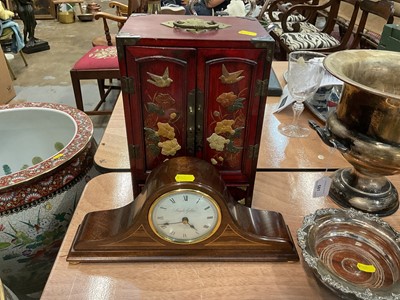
pixel 127 85
pixel 262 88
pixel 191 123
pixel 253 151
pixel 133 151
pixel 199 120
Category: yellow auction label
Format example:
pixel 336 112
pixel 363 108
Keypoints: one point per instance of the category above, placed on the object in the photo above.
pixel 58 156
pixel 245 32
pixel 366 268
pixel 184 178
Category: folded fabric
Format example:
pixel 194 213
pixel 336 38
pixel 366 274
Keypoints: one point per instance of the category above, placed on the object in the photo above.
pixel 17 41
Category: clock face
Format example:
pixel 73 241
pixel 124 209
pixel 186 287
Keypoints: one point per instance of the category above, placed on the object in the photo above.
pixel 184 216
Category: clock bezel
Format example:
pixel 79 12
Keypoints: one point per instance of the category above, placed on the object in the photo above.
pixel 189 241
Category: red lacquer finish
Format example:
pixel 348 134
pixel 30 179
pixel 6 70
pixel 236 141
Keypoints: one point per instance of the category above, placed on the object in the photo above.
pixel 195 94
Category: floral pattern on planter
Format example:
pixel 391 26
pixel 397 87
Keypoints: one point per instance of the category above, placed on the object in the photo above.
pixel 37 203
pixel 30 238
pixel 18 197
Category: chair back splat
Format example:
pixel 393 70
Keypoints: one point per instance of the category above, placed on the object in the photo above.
pixel 383 9
pixel 303 35
pixel 121 15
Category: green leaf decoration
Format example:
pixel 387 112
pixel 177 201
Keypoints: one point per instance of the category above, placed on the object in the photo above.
pixel 58 146
pixel 28 223
pixel 36 160
pixel 7 169
pixel 230 147
pixel 154 149
pixel 154 108
pixel 238 104
pixel 34 246
pixel 24 260
pixel 61 217
pixel 4 245
pixel 25 166
pixel 237 133
pixel 151 135
pixel 11 256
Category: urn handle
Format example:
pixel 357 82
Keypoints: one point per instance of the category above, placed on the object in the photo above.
pixel 327 138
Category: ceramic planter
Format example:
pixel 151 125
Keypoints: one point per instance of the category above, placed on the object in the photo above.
pixel 46 158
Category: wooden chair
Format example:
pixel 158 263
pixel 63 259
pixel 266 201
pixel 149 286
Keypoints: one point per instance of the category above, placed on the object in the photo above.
pixel 305 36
pixel 99 63
pixel 273 10
pixel 383 10
pixel 122 13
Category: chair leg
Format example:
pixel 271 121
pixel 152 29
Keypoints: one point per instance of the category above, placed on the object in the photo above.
pixel 76 85
pixel 23 58
pixel 102 87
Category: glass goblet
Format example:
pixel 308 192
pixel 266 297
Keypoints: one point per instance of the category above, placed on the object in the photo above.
pixel 304 78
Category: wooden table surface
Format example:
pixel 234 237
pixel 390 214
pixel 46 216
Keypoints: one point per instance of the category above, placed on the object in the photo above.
pixel 280 189
pixel 276 151
pixel 286 192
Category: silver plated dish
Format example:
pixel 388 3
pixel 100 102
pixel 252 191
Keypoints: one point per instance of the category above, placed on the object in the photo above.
pixel 356 255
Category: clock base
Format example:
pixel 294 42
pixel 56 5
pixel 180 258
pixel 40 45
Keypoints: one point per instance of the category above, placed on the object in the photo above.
pixel 106 236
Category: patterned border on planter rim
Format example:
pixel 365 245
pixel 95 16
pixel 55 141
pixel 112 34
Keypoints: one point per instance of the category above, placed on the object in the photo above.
pixel 26 186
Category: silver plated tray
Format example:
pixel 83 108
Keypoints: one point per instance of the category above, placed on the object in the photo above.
pixel 356 255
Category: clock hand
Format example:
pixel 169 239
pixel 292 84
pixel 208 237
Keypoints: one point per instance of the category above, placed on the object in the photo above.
pixel 192 226
pixel 185 220
pixel 170 223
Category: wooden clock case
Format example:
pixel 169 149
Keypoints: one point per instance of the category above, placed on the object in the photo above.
pixel 124 234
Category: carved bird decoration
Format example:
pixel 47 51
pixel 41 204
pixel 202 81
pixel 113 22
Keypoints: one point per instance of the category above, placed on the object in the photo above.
pixel 160 81
pixel 230 78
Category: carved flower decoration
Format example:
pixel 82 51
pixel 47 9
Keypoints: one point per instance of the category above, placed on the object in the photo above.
pixel 227 99
pixel 225 126
pixel 217 142
pixel 172 116
pixel 169 147
pixel 164 100
pixel 165 130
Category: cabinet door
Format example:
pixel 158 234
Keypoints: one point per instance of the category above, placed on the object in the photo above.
pixel 233 110
pixel 162 114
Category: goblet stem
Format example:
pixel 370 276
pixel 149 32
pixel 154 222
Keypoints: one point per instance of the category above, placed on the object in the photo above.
pixel 298 108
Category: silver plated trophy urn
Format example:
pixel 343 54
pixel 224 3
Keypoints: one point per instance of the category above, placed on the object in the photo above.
pixel 366 129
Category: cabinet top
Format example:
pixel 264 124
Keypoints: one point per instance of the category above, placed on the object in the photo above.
pixel 149 30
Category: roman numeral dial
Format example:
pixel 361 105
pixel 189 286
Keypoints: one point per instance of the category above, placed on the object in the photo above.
pixel 184 216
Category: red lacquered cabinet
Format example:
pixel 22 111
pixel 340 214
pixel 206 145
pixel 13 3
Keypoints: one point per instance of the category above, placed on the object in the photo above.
pixel 195 93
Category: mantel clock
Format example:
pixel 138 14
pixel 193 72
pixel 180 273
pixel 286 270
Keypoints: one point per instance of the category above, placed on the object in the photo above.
pixel 184 213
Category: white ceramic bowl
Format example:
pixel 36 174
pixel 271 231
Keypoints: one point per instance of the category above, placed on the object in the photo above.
pixel 46 158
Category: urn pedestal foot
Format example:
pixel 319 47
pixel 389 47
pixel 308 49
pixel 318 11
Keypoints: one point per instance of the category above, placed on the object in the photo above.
pixel 375 195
